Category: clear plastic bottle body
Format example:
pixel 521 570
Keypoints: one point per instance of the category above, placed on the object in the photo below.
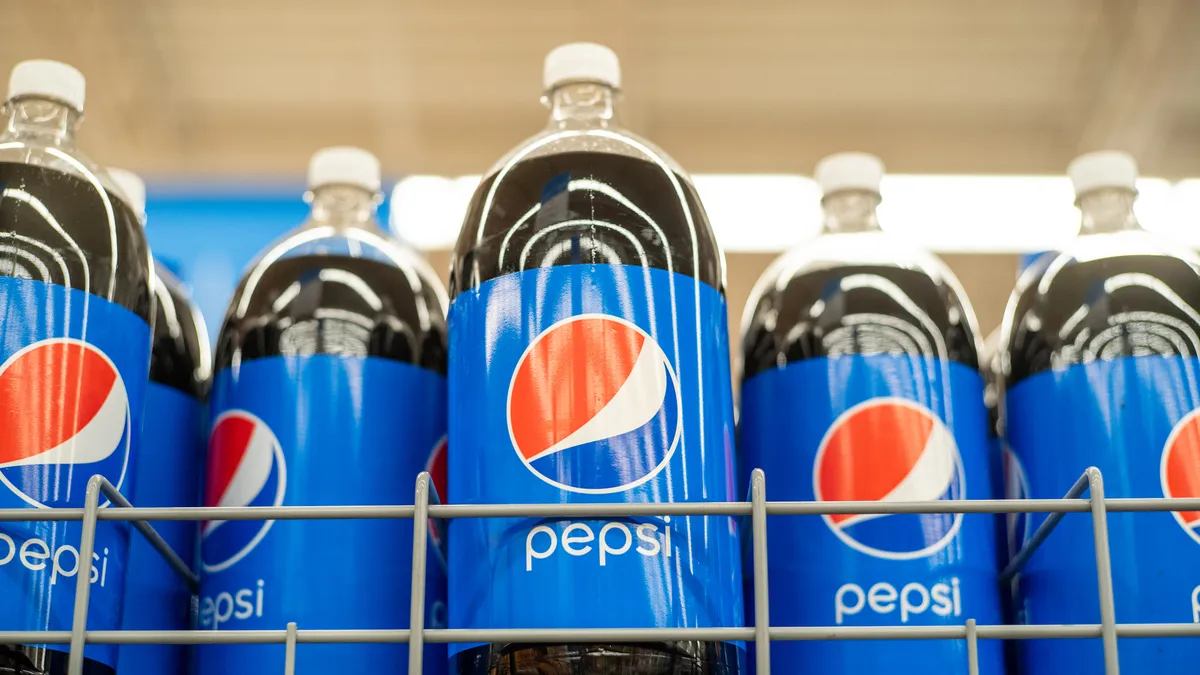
pixel 1100 369
pixel 76 284
pixel 604 223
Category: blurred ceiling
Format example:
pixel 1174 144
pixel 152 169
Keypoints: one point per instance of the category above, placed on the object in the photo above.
pixel 436 86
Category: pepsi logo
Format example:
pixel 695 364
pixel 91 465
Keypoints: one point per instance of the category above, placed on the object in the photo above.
pixel 245 468
pixel 1180 469
pixel 65 414
pixel 436 467
pixel 890 450
pixel 594 406
pixel 1016 486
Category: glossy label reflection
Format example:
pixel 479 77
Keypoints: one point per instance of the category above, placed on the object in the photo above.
pixel 72 382
pixel 1134 418
pixel 310 431
pixel 591 383
pixel 883 427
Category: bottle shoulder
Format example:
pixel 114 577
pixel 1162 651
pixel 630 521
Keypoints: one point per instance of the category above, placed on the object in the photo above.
pixel 585 208
pixel 614 140
pixel 1103 297
pixel 70 230
pixel 351 292
pixel 857 294
pixel 181 356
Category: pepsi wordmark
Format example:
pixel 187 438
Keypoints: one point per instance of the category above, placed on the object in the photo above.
pixel 69 407
pixel 596 408
pixel 640 385
pixel 246 468
pixel 922 464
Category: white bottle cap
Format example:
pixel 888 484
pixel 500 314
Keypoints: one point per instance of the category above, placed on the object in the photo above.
pixel 1103 169
pixel 344 166
pixel 51 79
pixel 581 62
pixel 849 171
pixel 134 188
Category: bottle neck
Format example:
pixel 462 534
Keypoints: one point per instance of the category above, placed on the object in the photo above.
pixel 848 211
pixel 582 105
pixel 1108 210
pixel 343 206
pixel 49 122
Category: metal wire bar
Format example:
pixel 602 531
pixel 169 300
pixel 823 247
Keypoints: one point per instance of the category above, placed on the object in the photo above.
pixel 762 614
pixel 1108 614
pixel 83 581
pixel 458 635
pixel 758 508
pixel 164 549
pixel 972 648
pixel 416 613
pixel 197 513
pixel 1022 557
pixel 289 654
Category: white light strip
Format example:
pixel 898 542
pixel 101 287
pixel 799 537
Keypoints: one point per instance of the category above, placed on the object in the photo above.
pixel 772 212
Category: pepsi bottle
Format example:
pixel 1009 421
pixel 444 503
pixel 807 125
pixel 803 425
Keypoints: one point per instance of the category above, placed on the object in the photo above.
pixel 76 310
pixel 589 364
pixel 328 389
pixel 156 597
pixel 861 382
pixel 1101 369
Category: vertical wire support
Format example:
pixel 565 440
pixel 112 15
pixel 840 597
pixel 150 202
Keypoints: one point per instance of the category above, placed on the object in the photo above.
pixel 83 581
pixel 972 648
pixel 289 656
pixel 1108 614
pixel 416 614
pixel 762 614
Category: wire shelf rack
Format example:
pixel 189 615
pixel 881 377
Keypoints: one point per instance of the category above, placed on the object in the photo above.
pixel 756 509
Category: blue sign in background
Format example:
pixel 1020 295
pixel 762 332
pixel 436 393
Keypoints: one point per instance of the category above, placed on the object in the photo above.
pixel 497 579
pixel 1115 415
pixel 786 413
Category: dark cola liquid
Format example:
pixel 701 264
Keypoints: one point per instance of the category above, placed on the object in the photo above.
pixel 176 359
pixel 591 209
pixel 291 310
pixel 816 313
pixel 600 201
pixel 1101 309
pixel 55 228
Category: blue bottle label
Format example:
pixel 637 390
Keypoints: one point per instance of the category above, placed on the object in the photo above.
pixel 73 370
pixel 591 384
pixel 875 428
pixel 156 597
pixel 1136 419
pixel 311 431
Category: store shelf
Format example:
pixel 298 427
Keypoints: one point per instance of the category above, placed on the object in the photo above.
pixel 755 509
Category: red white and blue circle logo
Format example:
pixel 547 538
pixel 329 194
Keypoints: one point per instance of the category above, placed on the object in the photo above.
pixel 64 412
pixel 245 468
pixel 594 406
pixel 1180 470
pixel 436 467
pixel 1016 486
pixel 890 450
